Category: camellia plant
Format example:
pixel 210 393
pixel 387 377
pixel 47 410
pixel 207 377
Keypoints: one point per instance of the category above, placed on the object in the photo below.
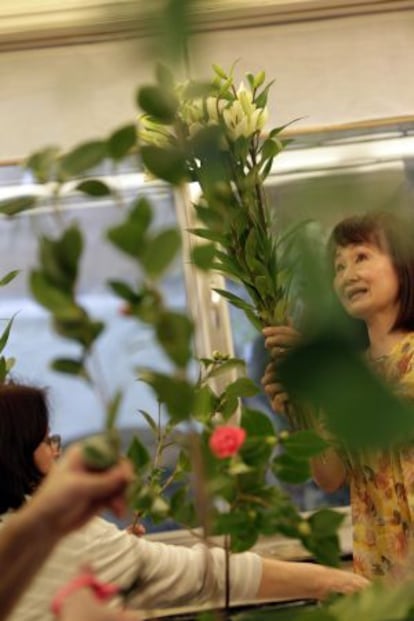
pixel 232 495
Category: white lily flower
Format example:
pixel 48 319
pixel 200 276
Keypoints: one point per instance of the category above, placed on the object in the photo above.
pixel 214 109
pixel 245 98
pixel 263 118
pixel 152 133
pixel 192 111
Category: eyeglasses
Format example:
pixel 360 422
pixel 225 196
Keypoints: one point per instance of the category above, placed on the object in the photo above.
pixel 54 441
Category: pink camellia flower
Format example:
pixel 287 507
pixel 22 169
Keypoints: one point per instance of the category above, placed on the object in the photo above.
pixel 226 440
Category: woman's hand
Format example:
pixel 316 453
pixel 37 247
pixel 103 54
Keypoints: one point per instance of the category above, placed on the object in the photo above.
pixel 278 397
pixel 71 494
pixel 278 340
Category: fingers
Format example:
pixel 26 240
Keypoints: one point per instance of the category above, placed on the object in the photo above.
pixel 278 397
pixel 281 338
pixel 109 484
pixel 270 374
pixel 136 529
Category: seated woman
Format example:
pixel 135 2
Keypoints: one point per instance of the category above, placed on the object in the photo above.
pixel 167 575
pixel 66 500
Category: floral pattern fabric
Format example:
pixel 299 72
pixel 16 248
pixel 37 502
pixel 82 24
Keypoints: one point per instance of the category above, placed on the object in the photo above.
pixel 382 487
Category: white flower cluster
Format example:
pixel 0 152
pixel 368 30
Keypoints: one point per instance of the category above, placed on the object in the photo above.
pixel 241 117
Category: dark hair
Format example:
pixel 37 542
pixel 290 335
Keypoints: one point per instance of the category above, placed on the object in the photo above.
pixel 24 423
pixel 393 233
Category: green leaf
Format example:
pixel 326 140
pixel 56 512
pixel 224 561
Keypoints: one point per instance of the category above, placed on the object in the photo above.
pixel 122 141
pixel 174 333
pixel 254 320
pixel 127 237
pixel 256 423
pixel 138 454
pixel 205 404
pixel 160 103
pixel 43 164
pixel 270 148
pixel 228 365
pixel 240 542
pixel 82 158
pixel 376 603
pixel 326 550
pixel 3 369
pixel 220 71
pixel 305 444
pixel 141 213
pixel 326 522
pixel 175 393
pixel 160 251
pixel 183 511
pixel 210 235
pixel 291 470
pixel 151 422
pixel 261 100
pixel 59 258
pixel 112 410
pixel 316 373
pixel 123 290
pixel 6 333
pixel 234 299
pixel 69 366
pixel 242 387
pixel 74 324
pixel 9 277
pixel 227 405
pixel 58 301
pixel 93 187
pixel 166 163
pixel 148 305
pixel 203 256
pixel 13 206
pixel 70 250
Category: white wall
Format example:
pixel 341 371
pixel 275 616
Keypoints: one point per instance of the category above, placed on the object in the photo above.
pixel 327 71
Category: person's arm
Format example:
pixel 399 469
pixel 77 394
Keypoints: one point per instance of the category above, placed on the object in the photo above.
pixel 25 543
pixel 293 580
pixel 68 498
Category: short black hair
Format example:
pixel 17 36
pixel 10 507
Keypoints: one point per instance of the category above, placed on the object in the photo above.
pixel 24 424
pixel 392 232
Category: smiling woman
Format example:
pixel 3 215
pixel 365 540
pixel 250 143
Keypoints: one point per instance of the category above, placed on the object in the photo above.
pixel 372 258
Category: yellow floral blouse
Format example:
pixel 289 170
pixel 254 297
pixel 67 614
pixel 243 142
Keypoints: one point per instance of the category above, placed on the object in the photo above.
pixel 382 487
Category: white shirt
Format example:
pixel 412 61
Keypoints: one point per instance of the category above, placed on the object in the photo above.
pixel 170 575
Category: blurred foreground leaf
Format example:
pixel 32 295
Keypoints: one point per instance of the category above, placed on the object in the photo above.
pixel 360 409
